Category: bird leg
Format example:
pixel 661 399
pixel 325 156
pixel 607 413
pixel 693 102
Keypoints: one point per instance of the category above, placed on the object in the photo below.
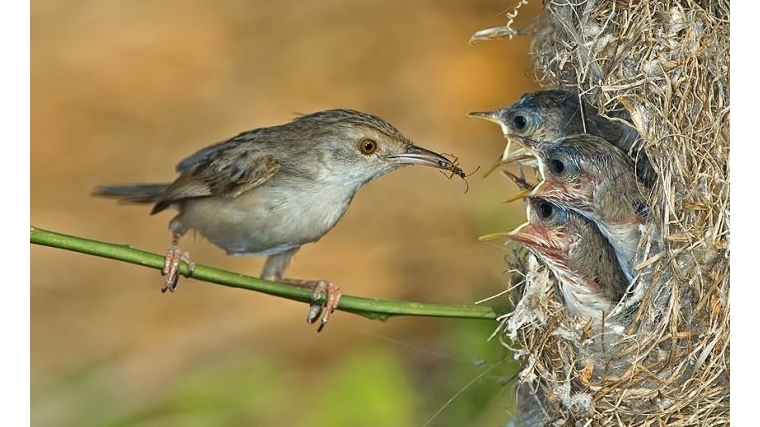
pixel 274 269
pixel 174 256
pixel 318 287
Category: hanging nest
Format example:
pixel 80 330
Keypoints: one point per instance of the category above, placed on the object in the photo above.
pixel 662 356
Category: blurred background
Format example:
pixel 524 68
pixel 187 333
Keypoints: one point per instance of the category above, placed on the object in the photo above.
pixel 122 90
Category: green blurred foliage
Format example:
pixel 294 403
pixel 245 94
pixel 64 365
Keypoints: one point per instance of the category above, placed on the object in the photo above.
pixel 464 380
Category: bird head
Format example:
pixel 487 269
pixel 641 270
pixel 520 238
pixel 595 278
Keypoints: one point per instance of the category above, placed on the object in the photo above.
pixel 591 280
pixel 358 147
pixel 587 174
pixel 541 116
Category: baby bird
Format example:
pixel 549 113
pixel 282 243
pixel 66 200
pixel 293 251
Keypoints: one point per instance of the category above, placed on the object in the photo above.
pixel 551 114
pixel 590 279
pixel 585 174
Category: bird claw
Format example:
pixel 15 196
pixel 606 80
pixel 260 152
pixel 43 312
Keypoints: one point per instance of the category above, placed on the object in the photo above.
pixel 332 299
pixel 174 257
pixel 319 309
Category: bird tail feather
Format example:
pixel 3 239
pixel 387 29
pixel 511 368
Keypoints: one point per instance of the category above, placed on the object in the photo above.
pixel 132 193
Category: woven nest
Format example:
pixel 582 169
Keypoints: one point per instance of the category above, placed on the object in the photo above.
pixel 662 357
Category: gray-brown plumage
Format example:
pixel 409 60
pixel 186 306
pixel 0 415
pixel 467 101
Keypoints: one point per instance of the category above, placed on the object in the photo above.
pixel 590 280
pixel 551 114
pixel 270 190
pixel 586 174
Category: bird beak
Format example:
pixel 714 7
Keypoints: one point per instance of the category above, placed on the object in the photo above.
pixel 493 167
pixel 519 196
pixel 522 156
pixel 493 236
pixel 539 239
pixel 492 117
pixel 485 115
pixel 529 143
pixel 524 234
pixel 530 235
pixel 420 156
pixel 534 237
pixel 526 156
pixel 527 189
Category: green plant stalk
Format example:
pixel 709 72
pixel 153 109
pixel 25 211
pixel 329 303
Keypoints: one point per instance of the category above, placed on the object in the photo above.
pixel 378 309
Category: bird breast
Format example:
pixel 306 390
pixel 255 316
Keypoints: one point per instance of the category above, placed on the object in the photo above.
pixel 269 219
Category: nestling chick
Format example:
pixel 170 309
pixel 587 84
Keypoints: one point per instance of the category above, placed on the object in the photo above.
pixel 551 114
pixel 586 174
pixel 590 279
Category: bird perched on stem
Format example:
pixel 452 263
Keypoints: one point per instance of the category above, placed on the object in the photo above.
pixel 270 190
pixel 590 280
pixel 551 114
pixel 586 174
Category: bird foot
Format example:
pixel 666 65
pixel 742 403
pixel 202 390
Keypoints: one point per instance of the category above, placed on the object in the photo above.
pixel 174 256
pixel 325 309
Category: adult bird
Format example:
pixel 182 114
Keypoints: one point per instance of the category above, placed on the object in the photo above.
pixel 268 191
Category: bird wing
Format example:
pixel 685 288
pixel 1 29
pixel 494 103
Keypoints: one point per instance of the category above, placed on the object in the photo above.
pixel 222 170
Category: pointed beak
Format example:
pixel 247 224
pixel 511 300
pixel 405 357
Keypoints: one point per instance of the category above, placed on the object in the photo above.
pixel 492 117
pixel 493 167
pixel 494 236
pixel 527 189
pixel 522 156
pixel 528 234
pixel 519 196
pixel 524 234
pixel 421 156
pixel 520 182
pixel 526 142
pixel 525 155
pixel 485 115
pixel 539 240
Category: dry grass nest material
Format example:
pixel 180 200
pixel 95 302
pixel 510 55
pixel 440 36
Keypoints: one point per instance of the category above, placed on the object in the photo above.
pixel 662 357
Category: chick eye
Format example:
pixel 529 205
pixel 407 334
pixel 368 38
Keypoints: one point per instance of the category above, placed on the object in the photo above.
pixel 367 146
pixel 545 209
pixel 557 166
pixel 520 122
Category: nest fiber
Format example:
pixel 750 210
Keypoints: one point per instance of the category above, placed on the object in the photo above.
pixel 662 356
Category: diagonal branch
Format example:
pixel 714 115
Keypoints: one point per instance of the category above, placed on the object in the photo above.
pixel 371 308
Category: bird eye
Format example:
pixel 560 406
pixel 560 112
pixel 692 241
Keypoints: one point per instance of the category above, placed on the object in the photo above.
pixel 520 122
pixel 557 166
pixel 545 209
pixel 367 146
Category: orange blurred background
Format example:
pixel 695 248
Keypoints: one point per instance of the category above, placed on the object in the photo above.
pixel 121 91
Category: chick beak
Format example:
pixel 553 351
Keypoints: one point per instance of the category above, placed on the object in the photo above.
pixel 527 189
pixel 530 235
pixel 526 142
pixel 485 115
pixel 421 156
pixel 493 167
pixel 492 117
pixel 541 241
pixel 525 234
pixel 522 156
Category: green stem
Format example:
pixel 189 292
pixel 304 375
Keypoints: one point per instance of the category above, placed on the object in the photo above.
pixel 368 307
